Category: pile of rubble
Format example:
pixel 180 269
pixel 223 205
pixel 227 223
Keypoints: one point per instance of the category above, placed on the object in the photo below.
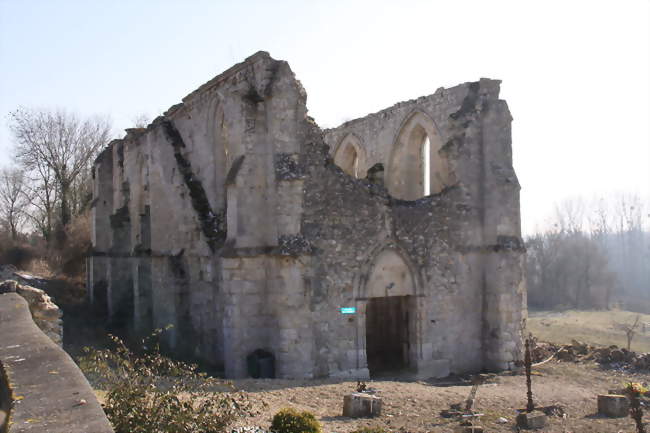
pixel 577 351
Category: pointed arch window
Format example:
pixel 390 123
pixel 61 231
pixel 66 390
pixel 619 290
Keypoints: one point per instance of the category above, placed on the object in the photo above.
pixel 416 167
pixel 349 156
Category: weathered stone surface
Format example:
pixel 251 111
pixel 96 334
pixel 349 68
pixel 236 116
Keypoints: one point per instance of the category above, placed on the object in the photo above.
pixel 613 405
pixel 236 219
pixel 531 420
pixel 41 387
pixel 359 405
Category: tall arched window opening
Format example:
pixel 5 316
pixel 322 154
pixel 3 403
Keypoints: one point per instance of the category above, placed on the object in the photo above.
pixel 416 167
pixel 355 165
pixel 426 165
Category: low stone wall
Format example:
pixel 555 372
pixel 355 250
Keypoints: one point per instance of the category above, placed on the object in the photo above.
pixel 40 384
pixel 45 313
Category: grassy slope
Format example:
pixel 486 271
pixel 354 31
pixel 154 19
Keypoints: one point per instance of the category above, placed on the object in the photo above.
pixel 593 327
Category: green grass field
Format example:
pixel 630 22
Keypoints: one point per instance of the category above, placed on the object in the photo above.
pixel 593 327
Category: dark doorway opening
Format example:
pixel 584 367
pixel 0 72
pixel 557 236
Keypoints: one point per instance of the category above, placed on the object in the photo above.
pixel 387 334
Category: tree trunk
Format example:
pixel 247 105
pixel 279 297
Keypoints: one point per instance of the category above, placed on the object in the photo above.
pixel 12 226
pixel 65 204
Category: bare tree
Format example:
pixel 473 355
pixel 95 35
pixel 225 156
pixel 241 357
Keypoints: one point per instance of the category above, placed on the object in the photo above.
pixel 59 144
pixel 600 221
pixel 141 120
pixel 630 329
pixel 13 200
pixel 43 198
pixel 566 265
pixel 570 215
pixel 592 255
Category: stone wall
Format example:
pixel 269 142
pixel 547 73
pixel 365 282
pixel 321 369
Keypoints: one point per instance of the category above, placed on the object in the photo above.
pixel 41 388
pixel 229 219
pixel 465 240
pixel 45 313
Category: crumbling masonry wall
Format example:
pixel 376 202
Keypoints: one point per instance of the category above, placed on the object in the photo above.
pixel 228 218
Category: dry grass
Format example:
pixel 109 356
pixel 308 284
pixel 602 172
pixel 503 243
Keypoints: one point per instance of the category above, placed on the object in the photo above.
pixel 593 327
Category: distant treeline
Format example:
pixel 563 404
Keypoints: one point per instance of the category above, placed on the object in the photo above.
pixel 594 255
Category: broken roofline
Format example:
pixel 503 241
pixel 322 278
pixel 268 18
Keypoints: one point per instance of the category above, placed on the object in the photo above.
pixel 228 73
pixel 419 99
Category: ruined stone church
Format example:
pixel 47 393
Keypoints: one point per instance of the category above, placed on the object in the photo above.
pixel 391 242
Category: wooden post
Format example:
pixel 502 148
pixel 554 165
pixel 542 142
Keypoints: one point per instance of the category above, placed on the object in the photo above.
pixel 530 406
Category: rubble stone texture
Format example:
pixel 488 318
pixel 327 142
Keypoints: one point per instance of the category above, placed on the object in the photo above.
pixel 236 219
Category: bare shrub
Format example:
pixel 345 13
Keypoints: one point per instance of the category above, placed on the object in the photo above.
pixel 21 256
pixel 630 329
pixel 70 257
pixel 150 393
pixel 77 246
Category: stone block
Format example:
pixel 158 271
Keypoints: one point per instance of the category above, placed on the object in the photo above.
pixel 531 420
pixel 357 405
pixel 613 405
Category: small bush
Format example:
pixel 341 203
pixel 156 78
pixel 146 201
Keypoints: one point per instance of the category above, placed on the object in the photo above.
pixel 150 393
pixel 291 421
pixel 72 257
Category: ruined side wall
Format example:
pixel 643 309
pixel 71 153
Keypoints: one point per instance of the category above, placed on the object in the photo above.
pixel 217 176
pixel 101 210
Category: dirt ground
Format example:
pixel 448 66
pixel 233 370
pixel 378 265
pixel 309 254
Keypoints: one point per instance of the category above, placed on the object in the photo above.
pixel 415 406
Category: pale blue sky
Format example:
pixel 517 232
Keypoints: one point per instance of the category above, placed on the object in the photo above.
pixel 576 74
